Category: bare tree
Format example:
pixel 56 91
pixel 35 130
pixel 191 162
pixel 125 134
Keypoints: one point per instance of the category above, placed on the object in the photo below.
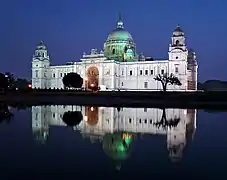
pixel 164 123
pixel 166 79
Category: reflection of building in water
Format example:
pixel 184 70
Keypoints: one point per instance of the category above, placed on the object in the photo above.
pixel 104 122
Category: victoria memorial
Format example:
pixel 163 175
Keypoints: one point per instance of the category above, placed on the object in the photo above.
pixel 119 66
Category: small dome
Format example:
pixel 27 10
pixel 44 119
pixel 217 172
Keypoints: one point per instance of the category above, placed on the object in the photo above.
pixel 178 31
pixel 41 46
pixel 129 52
pixel 191 51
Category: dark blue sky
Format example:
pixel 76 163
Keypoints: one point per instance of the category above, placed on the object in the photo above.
pixel 71 27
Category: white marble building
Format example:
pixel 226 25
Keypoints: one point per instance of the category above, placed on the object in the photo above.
pixel 99 121
pixel 119 66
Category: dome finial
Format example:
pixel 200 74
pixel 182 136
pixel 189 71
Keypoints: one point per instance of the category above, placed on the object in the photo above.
pixel 119 17
pixel 120 24
pixel 178 29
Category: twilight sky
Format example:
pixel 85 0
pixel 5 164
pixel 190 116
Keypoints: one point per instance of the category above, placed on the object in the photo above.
pixel 70 27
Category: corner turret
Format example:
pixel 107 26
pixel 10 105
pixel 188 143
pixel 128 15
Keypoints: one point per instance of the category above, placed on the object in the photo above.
pixel 40 63
pixel 177 48
pixel 192 70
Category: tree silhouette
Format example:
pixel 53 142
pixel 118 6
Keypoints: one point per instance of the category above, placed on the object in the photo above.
pixel 72 118
pixel 21 83
pixel 165 80
pixel 5 114
pixel 3 82
pixel 164 123
pixel 10 80
pixel 72 80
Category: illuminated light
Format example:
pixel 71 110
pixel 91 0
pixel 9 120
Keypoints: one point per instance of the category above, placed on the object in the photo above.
pixel 126 136
pixel 92 85
pixel 85 79
pixel 85 118
pixel 29 85
pixel 121 148
pixel 92 108
pixel 185 111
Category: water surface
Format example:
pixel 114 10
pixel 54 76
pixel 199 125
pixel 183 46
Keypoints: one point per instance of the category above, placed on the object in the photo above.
pixel 71 142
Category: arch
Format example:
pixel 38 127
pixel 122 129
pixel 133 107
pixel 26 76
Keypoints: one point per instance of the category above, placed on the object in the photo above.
pixel 177 42
pixel 92 114
pixel 125 49
pixel 113 51
pixel 92 78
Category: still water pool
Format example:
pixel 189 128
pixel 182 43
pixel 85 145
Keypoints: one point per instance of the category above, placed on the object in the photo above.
pixel 76 142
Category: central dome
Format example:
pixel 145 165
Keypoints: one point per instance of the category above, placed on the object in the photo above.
pixel 119 34
pixel 118 42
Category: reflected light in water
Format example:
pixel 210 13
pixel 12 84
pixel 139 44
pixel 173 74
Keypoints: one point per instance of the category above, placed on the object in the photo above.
pixel 115 128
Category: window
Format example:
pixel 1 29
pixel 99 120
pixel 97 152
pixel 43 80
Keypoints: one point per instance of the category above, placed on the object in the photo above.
pixel 162 71
pixel 146 72
pixel 130 120
pixel 145 121
pixel 177 57
pixel 145 85
pixel 176 70
pixel 64 74
pixel 150 121
pixel 61 75
pixel 113 51
pixel 122 84
pixel 36 73
pixel 122 72
pixel 140 121
pixel 145 109
pixel 177 42
pixel 53 75
pixel 53 115
pixel 152 72
pixel 141 72
pixel 44 75
pixel 130 73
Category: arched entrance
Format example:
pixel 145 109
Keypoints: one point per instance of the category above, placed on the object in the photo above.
pixel 92 114
pixel 92 78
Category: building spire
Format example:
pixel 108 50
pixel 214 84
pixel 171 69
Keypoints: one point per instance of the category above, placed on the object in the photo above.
pixel 119 17
pixel 120 24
